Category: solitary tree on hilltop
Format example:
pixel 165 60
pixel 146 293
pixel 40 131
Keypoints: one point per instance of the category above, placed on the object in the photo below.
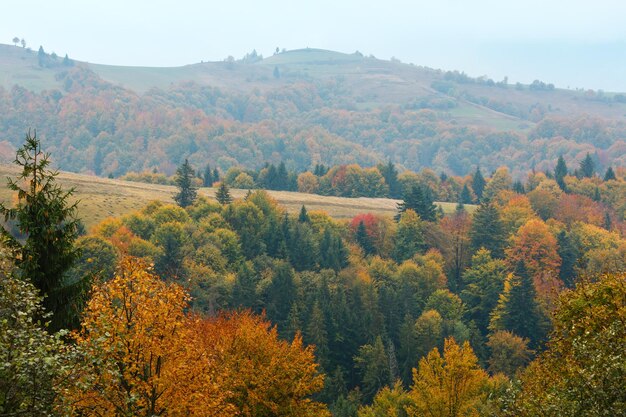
pixel 16 40
pixel 184 181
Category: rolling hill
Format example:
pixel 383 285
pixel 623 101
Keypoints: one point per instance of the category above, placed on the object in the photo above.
pixel 303 107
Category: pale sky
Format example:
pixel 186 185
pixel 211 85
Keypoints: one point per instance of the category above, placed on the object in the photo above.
pixel 571 43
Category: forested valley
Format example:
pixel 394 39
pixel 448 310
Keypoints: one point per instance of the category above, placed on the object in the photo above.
pixel 235 307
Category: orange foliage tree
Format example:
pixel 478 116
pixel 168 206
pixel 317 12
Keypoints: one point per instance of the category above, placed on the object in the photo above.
pixel 536 247
pixel 142 355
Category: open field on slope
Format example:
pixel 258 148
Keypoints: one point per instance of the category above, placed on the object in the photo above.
pixel 101 198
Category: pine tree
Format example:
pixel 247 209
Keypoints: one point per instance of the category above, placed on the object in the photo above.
pixel 466 196
pixel 184 181
pixel 304 216
pixel 568 252
pixel 518 187
pixel 560 172
pixel 518 311
pixel 390 174
pixel 223 194
pixel 207 177
pixel 420 200
pixel 216 175
pixel 609 175
pixel 587 166
pixel 478 184
pixel 487 230
pixel 363 239
pixel 49 228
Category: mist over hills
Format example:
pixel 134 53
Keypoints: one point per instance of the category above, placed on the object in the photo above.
pixel 303 107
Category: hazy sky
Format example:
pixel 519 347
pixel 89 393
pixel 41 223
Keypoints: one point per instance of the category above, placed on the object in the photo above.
pixel 571 43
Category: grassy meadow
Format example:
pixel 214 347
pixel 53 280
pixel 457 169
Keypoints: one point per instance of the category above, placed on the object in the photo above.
pixel 100 198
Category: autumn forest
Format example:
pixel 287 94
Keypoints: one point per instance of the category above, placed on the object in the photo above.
pixel 508 301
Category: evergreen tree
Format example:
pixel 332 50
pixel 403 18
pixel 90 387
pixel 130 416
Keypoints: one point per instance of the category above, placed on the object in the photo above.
pixel 42 57
pixel 409 237
pixel 316 335
pixel 466 196
pixel 488 231
pixel 587 167
pixel 282 177
pixel 207 177
pixel 518 187
pixel 560 171
pixel 609 175
pixel 216 175
pixel 518 311
pixel 608 223
pixel 304 216
pixel 244 288
pixel 223 194
pixel 333 253
pixel 48 226
pixel 596 195
pixel 363 239
pixel 390 174
pixel 420 200
pixel 373 363
pixel 294 324
pixel 478 184
pixel 568 252
pixel 184 181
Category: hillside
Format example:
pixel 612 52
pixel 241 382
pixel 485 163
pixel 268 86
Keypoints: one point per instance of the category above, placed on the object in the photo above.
pixel 304 107
pixel 102 197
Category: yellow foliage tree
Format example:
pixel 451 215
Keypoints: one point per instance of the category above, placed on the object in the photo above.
pixel 142 355
pixel 451 385
pixel 139 353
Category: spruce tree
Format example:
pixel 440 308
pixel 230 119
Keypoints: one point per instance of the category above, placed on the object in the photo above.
pixel 587 167
pixel 223 194
pixel 420 200
pixel 207 177
pixel 568 252
pixel 518 187
pixel 466 196
pixel 48 226
pixel 609 175
pixel 390 174
pixel 478 184
pixel 303 217
pixel 518 311
pixel 216 175
pixel 560 172
pixel 184 181
pixel 488 231
pixel 363 239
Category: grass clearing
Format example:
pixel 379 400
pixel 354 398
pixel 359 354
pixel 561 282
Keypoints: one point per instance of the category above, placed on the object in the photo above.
pixel 101 198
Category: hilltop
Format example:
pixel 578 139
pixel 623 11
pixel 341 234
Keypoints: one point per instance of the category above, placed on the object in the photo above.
pixel 304 107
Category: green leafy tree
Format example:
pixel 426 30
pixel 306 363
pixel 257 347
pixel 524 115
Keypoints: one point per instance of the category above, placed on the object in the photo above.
pixel 409 237
pixel 187 192
pixel 582 373
pixel 223 194
pixel 48 227
pixel 30 358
